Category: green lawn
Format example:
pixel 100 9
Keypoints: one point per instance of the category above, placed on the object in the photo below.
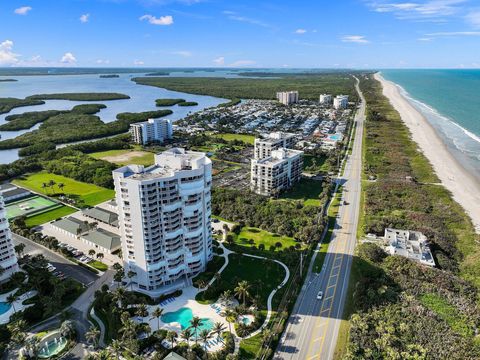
pixel 98 265
pixel 250 347
pixel 49 215
pixel 262 275
pixel 121 157
pixel 90 194
pixel 249 139
pixel 315 163
pixel 307 190
pixel 263 237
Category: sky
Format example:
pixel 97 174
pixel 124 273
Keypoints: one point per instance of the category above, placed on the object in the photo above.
pixel 241 33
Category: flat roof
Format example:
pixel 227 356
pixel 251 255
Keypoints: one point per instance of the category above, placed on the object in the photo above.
pixel 7 186
pixel 103 238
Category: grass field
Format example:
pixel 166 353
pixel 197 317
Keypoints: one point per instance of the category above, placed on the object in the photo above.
pixel 90 194
pixel 49 215
pixel 315 163
pixel 28 206
pixel 262 237
pixel 249 139
pixel 306 190
pixel 126 156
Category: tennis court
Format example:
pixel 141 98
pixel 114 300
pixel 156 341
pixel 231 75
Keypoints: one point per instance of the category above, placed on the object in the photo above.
pixel 29 206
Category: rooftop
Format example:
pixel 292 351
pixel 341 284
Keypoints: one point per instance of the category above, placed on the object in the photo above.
pixel 103 238
pixel 410 244
pixel 278 156
pixel 103 215
pixel 71 225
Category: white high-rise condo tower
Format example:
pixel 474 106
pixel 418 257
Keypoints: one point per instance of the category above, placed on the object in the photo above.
pixel 164 215
pixel 274 141
pixel 340 102
pixel 152 130
pixel 8 260
pixel 325 99
pixel 287 97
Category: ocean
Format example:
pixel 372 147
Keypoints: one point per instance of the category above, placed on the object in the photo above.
pixel 450 101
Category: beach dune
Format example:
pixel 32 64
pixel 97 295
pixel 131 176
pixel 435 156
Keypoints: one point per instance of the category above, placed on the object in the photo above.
pixel 464 187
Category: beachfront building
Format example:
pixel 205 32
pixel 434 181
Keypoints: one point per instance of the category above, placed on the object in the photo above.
pixel 8 260
pixel 325 99
pixel 340 102
pixel 410 244
pixel 275 140
pixel 164 215
pixel 152 130
pixel 277 172
pixel 287 97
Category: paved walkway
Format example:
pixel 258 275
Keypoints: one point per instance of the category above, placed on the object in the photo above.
pixel 101 340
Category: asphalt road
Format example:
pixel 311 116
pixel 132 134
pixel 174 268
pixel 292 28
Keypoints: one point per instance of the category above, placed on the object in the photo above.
pixel 312 329
pixel 67 267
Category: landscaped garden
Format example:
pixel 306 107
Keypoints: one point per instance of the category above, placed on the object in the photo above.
pixel 54 185
pixel 263 240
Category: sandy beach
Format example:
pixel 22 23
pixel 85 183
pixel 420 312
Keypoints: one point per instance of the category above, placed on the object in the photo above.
pixel 464 187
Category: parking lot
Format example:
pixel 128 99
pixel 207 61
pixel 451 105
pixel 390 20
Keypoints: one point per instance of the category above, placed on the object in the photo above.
pixel 66 267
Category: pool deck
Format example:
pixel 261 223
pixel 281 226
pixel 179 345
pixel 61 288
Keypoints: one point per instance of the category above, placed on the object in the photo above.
pixel 187 299
pixel 17 304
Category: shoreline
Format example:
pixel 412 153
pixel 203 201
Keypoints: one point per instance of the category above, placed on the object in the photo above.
pixel 463 185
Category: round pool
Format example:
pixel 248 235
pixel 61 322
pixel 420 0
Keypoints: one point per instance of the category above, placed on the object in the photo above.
pixel 183 317
pixel 51 346
pixel 4 307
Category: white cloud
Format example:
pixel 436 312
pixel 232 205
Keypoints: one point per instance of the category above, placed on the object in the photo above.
pixel 473 18
pixel 236 17
pixel 162 20
pixel 454 33
pixel 7 56
pixel 102 61
pixel 430 10
pixel 84 18
pixel 300 31
pixel 183 53
pixel 22 10
pixel 359 39
pixel 425 39
pixel 68 58
pixel 240 63
pixel 138 62
pixel 219 61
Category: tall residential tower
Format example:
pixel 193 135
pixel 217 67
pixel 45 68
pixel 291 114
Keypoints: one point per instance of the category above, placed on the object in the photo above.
pixel 164 216
pixel 152 130
pixel 8 260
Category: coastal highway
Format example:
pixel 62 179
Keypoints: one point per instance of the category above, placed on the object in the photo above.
pixel 313 326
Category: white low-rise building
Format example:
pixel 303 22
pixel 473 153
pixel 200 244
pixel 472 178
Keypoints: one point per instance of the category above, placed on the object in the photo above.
pixel 274 141
pixel 287 97
pixel 152 130
pixel 277 172
pixel 8 260
pixel 410 244
pixel 164 216
pixel 340 102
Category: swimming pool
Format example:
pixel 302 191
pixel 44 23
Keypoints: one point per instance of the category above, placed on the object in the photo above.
pixel 335 137
pixel 183 317
pixel 4 307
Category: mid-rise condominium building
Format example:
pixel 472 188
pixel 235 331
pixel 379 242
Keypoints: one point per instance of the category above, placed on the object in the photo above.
pixel 325 99
pixel 164 216
pixel 152 130
pixel 287 97
pixel 340 102
pixel 275 140
pixel 275 173
pixel 8 260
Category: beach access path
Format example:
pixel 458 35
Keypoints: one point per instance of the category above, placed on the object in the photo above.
pixel 464 187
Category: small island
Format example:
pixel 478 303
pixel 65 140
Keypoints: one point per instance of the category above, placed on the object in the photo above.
pixel 80 96
pixel 109 76
pixel 8 80
pixel 158 73
pixel 168 102
pixel 188 103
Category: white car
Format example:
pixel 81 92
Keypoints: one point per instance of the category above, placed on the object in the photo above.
pixel 320 295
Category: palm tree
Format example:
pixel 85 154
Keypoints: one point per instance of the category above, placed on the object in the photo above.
pixel 130 275
pixel 172 336
pixel 91 252
pixel 32 346
pixel 218 328
pixel 51 184
pixel 61 186
pixel 156 314
pixel 120 296
pixel 242 290
pixel 226 297
pixel 229 316
pixel 205 336
pixel 19 249
pixel 11 300
pixel 116 348
pixel 67 329
pixel 142 311
pixel 100 256
pixel 93 335
pixel 186 335
pixel 202 284
pixel 44 187
pixel 195 323
pixel 17 330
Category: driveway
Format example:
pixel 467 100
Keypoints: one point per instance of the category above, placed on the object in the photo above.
pixel 66 266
